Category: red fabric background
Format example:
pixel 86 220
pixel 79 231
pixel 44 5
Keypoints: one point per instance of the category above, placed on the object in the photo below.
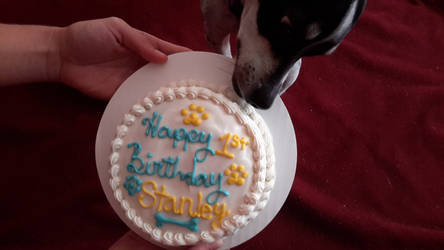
pixel 369 121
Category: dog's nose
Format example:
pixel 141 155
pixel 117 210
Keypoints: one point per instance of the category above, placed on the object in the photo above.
pixel 260 99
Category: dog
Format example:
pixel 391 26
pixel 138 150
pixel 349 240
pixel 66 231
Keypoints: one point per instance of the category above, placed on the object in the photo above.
pixel 273 36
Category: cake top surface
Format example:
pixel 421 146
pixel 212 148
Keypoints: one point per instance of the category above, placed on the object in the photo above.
pixel 189 165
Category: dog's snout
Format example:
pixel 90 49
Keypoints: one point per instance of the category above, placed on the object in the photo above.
pixel 236 87
pixel 261 98
pixel 255 91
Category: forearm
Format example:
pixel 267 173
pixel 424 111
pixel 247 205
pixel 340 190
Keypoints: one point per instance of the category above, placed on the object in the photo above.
pixel 28 53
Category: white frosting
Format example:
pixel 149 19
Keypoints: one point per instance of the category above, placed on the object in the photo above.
pixel 138 110
pixel 129 119
pixel 206 237
pixel 168 238
pixel 179 240
pixel 226 115
pixel 191 238
pixel 157 234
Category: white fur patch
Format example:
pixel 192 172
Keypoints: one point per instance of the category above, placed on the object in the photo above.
pixel 313 30
pixel 347 20
pixel 255 49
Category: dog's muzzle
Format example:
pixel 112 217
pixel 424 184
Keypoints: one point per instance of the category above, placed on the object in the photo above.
pixel 261 97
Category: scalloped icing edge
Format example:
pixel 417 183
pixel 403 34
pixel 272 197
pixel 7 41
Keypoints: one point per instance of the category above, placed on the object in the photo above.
pixel 263 180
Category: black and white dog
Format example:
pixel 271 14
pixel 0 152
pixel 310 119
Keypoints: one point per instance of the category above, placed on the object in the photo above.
pixel 272 36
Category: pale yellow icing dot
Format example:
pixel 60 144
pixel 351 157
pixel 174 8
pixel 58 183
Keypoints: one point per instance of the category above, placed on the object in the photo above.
pixel 235 175
pixel 184 112
pixel 200 109
pixel 240 182
pixel 240 168
pixel 233 166
pixel 227 171
pixel 205 116
pixel 192 106
pixel 193 116
pixel 197 122
pixel 245 174
pixel 187 120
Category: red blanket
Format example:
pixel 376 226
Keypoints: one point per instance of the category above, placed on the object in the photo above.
pixel 369 122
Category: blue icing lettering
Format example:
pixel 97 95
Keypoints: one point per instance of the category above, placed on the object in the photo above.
pixel 151 126
pixel 165 132
pixel 192 224
pixel 217 192
pixel 136 164
pixel 181 134
pixel 168 167
pixel 194 135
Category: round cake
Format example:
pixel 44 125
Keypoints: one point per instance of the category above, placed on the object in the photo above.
pixel 190 164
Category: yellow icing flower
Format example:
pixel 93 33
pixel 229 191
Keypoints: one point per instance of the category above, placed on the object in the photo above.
pixel 192 115
pixel 236 174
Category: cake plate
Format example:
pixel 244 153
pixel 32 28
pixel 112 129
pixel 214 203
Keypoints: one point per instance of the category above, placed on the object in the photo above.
pixel 212 69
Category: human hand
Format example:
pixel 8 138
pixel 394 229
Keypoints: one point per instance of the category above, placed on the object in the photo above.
pixel 96 56
pixel 131 241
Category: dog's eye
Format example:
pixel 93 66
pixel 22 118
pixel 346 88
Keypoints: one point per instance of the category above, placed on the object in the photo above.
pixel 286 20
pixel 313 31
pixel 286 24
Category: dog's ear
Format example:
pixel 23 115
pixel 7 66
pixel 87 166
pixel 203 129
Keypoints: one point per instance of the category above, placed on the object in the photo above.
pixel 328 44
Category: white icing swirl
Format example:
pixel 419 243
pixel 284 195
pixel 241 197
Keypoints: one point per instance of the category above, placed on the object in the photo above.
pixel 217 233
pixel 122 131
pixel 261 205
pixel 192 94
pixel 129 119
pixel 179 240
pixel 131 213
pixel 180 93
pixel 269 185
pixel 118 195
pixel 168 238
pixel 138 110
pixel 239 220
pixel 157 97
pixel 265 196
pixel 115 183
pixel 169 94
pixel 157 234
pixel 214 99
pixel 125 205
pixel 114 158
pixel 245 209
pixel 191 238
pixel 148 228
pixel 138 221
pixel 147 103
pixel 230 228
pixel 115 171
pixel 206 237
pixel 117 144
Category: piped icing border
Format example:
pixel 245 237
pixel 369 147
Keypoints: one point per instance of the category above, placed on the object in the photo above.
pixel 263 155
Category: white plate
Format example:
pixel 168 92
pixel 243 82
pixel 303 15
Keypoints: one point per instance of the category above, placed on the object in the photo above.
pixel 212 69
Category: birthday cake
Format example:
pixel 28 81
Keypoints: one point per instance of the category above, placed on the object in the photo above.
pixel 191 165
